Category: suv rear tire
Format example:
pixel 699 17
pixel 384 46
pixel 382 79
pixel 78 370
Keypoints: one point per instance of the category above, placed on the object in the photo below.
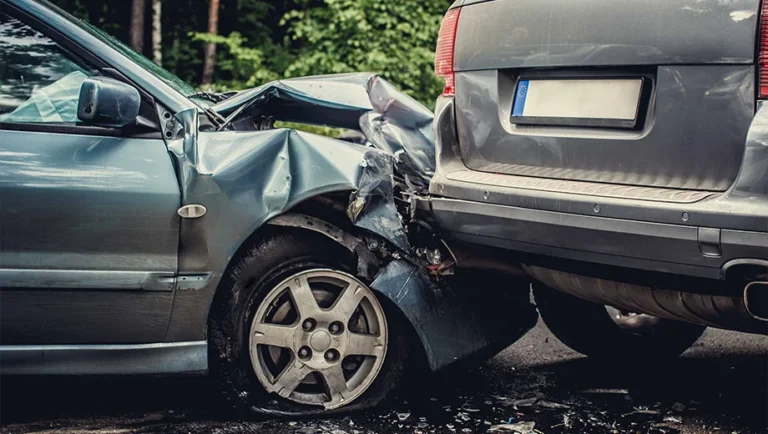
pixel 588 328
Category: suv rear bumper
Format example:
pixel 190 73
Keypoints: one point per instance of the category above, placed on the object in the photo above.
pixel 676 249
pixel 694 235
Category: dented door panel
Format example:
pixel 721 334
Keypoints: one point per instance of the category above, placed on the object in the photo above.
pixel 77 213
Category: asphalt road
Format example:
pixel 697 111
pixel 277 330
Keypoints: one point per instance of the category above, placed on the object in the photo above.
pixel 718 386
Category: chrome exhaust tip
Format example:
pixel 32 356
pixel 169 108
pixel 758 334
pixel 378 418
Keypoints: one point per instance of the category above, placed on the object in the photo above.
pixel 756 300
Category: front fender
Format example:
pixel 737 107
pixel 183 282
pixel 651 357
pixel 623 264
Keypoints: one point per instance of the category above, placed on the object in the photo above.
pixel 243 179
pixel 475 314
pixel 458 317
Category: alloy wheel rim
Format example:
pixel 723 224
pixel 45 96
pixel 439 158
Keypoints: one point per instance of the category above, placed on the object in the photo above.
pixel 318 338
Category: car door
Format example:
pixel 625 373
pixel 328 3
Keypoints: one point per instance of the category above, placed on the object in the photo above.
pixel 88 223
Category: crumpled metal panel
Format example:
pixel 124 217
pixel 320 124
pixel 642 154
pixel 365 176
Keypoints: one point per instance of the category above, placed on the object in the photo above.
pixel 338 100
pixel 391 120
pixel 401 126
pixel 246 178
pixel 460 316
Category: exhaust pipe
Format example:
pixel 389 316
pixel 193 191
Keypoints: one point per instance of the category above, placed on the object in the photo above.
pixel 756 300
pixel 747 312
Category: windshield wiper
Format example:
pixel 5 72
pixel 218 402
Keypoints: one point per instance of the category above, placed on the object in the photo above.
pixel 213 96
pixel 216 119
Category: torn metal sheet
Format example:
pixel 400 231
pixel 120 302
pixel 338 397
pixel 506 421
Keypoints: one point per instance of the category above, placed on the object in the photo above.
pixel 373 205
pixel 367 262
pixel 460 316
pixel 401 126
pixel 246 173
pixel 336 100
pixel 245 178
pixel 391 120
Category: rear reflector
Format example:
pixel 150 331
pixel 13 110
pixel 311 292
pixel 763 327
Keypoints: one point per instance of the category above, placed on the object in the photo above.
pixel 762 56
pixel 444 52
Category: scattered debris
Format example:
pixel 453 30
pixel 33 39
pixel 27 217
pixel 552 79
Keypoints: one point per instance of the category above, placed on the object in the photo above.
pixel 462 416
pixel 519 428
pixel 673 419
pixel 469 409
pixel 403 416
pixel 678 407
pixel 528 402
pixel 641 410
pixel 553 405
pixel 606 391
pixel 567 421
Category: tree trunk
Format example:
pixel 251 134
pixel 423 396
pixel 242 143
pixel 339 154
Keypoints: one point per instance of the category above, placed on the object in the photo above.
pixel 157 32
pixel 210 48
pixel 137 25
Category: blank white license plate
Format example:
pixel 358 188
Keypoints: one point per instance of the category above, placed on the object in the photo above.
pixel 578 102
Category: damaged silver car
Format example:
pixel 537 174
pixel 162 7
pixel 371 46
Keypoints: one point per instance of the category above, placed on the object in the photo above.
pixel 149 229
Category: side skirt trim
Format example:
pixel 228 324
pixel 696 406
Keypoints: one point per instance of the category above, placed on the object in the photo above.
pixel 159 358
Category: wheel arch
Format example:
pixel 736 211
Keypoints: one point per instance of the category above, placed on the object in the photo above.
pixel 429 312
pixel 320 216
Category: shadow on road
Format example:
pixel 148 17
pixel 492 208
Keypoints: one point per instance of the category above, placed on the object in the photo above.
pixel 576 395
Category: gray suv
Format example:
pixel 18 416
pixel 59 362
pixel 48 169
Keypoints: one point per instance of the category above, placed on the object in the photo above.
pixel 619 150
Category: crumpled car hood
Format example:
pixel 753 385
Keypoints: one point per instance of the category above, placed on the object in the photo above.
pixel 391 120
pixel 246 173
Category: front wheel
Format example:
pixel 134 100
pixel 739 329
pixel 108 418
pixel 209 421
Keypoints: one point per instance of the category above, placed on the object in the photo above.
pixel 300 334
pixel 603 332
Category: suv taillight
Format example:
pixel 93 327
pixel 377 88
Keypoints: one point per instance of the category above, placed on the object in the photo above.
pixel 444 52
pixel 762 54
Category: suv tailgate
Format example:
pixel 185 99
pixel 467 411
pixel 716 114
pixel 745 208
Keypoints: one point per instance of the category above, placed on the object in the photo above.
pixel 695 56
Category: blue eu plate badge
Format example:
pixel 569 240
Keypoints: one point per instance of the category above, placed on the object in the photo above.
pixel 522 93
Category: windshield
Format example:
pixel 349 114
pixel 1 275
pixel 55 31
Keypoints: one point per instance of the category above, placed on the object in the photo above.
pixel 175 82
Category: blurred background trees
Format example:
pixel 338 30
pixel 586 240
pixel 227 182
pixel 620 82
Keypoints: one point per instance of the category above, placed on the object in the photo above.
pixel 232 44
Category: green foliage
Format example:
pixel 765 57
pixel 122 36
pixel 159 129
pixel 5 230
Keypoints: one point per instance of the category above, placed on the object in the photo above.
pixel 314 129
pixel 246 65
pixel 263 40
pixel 395 38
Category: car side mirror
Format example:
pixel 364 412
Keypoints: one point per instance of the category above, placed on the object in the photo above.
pixel 105 102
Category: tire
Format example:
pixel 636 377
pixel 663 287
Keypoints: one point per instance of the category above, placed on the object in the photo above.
pixel 588 328
pixel 281 255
